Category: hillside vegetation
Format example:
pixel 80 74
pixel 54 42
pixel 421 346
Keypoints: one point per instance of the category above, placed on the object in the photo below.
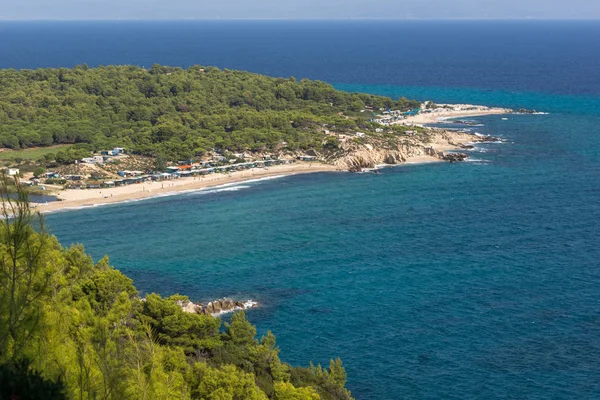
pixel 179 113
pixel 74 329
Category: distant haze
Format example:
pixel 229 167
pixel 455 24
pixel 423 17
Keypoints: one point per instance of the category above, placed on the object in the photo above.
pixel 298 9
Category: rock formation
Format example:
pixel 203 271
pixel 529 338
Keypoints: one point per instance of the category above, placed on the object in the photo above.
pixel 453 157
pixel 216 307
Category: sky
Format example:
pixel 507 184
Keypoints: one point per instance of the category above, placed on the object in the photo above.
pixel 298 9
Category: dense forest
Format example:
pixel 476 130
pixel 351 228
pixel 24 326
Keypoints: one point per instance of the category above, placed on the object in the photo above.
pixel 74 329
pixel 174 112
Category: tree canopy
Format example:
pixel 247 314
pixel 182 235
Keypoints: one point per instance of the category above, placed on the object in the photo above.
pixel 179 113
pixel 74 329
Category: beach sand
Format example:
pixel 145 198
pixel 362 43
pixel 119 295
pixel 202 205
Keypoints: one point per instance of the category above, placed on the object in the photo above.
pixel 77 198
pixel 431 118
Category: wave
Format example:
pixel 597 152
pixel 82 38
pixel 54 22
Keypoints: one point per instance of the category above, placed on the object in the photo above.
pixel 225 187
pixel 477 161
pixel 247 304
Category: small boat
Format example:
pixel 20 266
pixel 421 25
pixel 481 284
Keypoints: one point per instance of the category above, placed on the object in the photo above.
pixel 504 119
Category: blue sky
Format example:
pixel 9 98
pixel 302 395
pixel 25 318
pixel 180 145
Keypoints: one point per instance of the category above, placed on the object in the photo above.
pixel 297 9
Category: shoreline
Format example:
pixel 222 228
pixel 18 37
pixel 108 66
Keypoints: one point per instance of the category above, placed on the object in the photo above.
pixel 73 199
pixel 441 117
pixel 76 199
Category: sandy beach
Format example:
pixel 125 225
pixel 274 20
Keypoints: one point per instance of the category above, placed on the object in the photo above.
pixel 77 198
pixel 440 116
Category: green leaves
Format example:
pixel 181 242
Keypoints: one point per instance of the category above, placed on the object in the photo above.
pixel 72 329
pixel 162 108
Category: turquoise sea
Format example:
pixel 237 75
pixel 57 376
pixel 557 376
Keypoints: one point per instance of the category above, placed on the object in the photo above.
pixel 477 280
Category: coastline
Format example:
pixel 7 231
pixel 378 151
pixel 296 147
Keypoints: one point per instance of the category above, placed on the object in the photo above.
pixel 437 117
pixel 71 199
pixel 78 198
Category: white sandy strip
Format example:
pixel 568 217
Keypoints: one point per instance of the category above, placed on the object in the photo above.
pixel 430 118
pixel 78 198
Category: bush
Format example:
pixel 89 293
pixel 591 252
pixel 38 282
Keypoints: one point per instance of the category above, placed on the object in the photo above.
pixel 39 171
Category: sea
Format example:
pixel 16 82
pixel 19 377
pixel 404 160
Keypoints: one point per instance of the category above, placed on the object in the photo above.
pixel 474 280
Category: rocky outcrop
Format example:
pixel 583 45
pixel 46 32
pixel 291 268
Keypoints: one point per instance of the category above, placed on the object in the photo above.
pixel 434 142
pixel 216 307
pixel 453 157
pixel 525 111
pixel 367 157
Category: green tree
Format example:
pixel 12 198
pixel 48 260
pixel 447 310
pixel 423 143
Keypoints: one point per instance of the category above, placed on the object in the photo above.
pixel 239 330
pixel 23 273
pixel 160 163
pixel 226 383
pixel 287 391
pixel 39 171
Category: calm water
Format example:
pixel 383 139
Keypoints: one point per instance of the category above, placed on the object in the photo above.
pixel 468 281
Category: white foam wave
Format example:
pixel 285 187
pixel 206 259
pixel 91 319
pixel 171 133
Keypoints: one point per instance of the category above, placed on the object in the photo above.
pixel 477 160
pixel 225 187
pixel 83 207
pixel 247 304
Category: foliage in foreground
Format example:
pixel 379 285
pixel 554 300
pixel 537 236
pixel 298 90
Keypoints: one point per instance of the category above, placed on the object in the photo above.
pixel 72 329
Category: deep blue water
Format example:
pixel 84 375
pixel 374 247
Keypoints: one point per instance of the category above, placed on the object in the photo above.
pixel 548 56
pixel 469 281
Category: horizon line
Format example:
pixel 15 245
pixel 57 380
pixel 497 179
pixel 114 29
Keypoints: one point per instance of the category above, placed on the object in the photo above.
pixel 3 19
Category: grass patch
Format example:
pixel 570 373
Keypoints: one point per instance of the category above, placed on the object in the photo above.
pixel 33 153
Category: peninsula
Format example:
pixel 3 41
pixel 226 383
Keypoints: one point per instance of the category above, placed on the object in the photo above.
pixel 109 134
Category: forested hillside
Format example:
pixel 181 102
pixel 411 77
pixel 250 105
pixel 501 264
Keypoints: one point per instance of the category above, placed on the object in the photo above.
pixel 72 329
pixel 171 111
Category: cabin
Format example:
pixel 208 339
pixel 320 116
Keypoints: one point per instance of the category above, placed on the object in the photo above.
pixel 93 185
pixel 306 158
pixel 126 173
pixel 75 185
pixel 13 171
pixel 52 175
pixel 164 176
pixel 108 184
pixel 93 160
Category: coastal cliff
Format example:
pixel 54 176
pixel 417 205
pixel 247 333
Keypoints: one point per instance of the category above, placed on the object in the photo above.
pixel 433 143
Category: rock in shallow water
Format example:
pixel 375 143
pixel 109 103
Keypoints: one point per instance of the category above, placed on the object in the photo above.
pixel 217 307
